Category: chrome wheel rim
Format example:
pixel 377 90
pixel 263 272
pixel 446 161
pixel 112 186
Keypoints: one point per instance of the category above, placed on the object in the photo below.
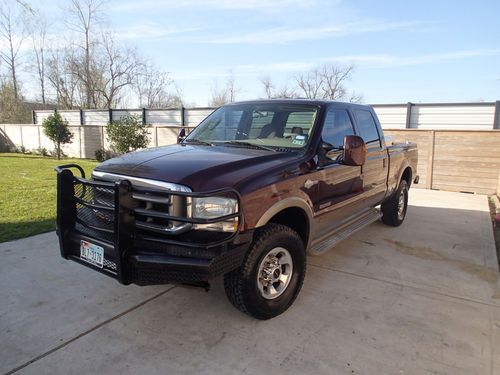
pixel 401 205
pixel 274 273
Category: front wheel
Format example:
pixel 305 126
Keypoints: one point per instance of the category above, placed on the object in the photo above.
pixel 394 210
pixel 271 275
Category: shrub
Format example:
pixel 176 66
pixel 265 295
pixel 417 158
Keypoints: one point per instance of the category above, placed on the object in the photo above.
pixel 101 155
pixel 41 151
pixel 127 134
pixel 56 129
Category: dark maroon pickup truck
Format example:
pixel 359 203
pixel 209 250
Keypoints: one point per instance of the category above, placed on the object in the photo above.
pixel 247 194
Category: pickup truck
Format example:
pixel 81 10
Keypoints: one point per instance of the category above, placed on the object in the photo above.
pixel 247 195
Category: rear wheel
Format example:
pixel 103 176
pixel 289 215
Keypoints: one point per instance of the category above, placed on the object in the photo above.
pixel 271 275
pixel 394 210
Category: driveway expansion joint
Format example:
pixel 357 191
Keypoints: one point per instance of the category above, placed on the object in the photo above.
pixel 90 330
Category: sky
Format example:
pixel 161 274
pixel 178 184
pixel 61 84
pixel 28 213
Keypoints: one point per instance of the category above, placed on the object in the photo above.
pixel 419 51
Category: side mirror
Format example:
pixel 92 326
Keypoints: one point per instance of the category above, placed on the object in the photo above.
pixel 354 150
pixel 181 136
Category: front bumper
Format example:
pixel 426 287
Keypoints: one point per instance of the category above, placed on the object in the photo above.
pixel 132 254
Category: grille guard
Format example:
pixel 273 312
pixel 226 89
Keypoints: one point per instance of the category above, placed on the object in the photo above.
pixel 121 228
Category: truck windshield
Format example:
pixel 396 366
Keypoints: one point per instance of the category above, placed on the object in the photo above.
pixel 269 125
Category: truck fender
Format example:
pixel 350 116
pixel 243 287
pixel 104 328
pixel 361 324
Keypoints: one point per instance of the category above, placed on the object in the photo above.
pixel 291 202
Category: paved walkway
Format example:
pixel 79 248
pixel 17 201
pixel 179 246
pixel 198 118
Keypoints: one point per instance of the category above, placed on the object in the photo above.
pixel 421 298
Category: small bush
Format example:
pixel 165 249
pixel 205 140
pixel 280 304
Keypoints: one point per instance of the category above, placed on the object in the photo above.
pixel 56 129
pixel 127 134
pixel 102 155
pixel 41 151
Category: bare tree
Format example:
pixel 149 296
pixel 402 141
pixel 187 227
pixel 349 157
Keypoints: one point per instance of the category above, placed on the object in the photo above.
pixel 61 77
pixel 310 83
pixel 84 15
pixel 151 87
pixel 118 69
pixel 268 86
pixel 274 92
pixel 13 32
pixel 39 40
pixel 333 78
pixel 225 94
pixel 326 82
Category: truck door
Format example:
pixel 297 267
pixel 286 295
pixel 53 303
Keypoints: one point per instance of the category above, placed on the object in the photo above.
pixel 338 185
pixel 375 169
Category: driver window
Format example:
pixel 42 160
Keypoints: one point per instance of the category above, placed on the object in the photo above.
pixel 337 125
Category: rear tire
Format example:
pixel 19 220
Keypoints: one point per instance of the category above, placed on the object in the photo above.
pixel 271 275
pixel 394 210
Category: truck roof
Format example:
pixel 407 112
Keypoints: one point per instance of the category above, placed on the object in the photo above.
pixel 317 102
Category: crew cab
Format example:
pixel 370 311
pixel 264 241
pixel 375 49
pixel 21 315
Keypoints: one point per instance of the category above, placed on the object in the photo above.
pixel 248 194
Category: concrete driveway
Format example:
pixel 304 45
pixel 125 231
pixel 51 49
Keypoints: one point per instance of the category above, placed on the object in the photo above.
pixel 421 298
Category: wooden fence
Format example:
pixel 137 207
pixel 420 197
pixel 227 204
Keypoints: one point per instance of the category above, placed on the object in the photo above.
pixel 464 161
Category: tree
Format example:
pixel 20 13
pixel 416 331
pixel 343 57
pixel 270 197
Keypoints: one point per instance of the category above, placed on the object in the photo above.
pixel 12 109
pixel 326 82
pixel 273 92
pixel 64 82
pixel 118 69
pixel 56 129
pixel 127 134
pixel 39 40
pixel 12 34
pixel 224 95
pixel 151 88
pixel 84 15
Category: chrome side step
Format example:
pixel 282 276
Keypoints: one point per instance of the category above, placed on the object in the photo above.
pixel 345 231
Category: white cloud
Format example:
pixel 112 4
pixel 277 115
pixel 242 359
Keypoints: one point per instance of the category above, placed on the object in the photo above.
pixel 133 5
pixel 293 34
pixel 375 61
pixel 150 30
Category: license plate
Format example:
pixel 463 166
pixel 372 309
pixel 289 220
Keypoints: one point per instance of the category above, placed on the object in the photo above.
pixel 91 253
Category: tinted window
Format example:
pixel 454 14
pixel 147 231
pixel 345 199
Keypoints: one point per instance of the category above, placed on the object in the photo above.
pixel 337 126
pixel 366 124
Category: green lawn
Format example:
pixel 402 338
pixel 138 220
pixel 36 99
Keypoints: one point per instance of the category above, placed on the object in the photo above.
pixel 28 193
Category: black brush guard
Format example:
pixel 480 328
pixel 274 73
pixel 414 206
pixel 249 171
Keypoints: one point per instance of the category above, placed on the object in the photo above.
pixel 133 254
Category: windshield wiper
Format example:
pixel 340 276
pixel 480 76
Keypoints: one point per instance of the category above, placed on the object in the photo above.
pixel 243 143
pixel 197 142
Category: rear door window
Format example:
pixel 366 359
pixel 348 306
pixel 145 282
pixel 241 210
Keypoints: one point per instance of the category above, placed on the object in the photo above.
pixel 366 126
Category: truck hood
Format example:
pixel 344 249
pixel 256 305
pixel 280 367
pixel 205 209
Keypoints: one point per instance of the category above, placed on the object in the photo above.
pixel 202 168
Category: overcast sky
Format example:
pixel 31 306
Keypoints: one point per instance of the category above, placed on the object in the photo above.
pixel 419 51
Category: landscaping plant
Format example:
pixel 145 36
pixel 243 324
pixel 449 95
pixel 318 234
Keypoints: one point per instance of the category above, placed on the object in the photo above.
pixel 57 130
pixel 127 134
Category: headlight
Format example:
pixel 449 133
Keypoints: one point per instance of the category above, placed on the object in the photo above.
pixel 213 207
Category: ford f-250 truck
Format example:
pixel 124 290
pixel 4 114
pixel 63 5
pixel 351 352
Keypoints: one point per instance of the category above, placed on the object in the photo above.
pixel 252 190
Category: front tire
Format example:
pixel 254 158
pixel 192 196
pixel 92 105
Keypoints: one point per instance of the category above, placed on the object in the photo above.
pixel 394 210
pixel 271 275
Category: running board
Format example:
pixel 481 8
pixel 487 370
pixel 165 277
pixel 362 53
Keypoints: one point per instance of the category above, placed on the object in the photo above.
pixel 346 231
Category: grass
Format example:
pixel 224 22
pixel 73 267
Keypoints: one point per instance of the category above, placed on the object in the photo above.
pixel 28 193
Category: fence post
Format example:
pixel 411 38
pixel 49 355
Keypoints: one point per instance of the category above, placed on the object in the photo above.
pixel 33 117
pixel 21 130
pixel 496 118
pixel 102 137
pixel 430 160
pixel 81 117
pixel 183 116
pixel 80 139
pixel 408 114
pixel 110 110
pixel 144 116
pixel 156 136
